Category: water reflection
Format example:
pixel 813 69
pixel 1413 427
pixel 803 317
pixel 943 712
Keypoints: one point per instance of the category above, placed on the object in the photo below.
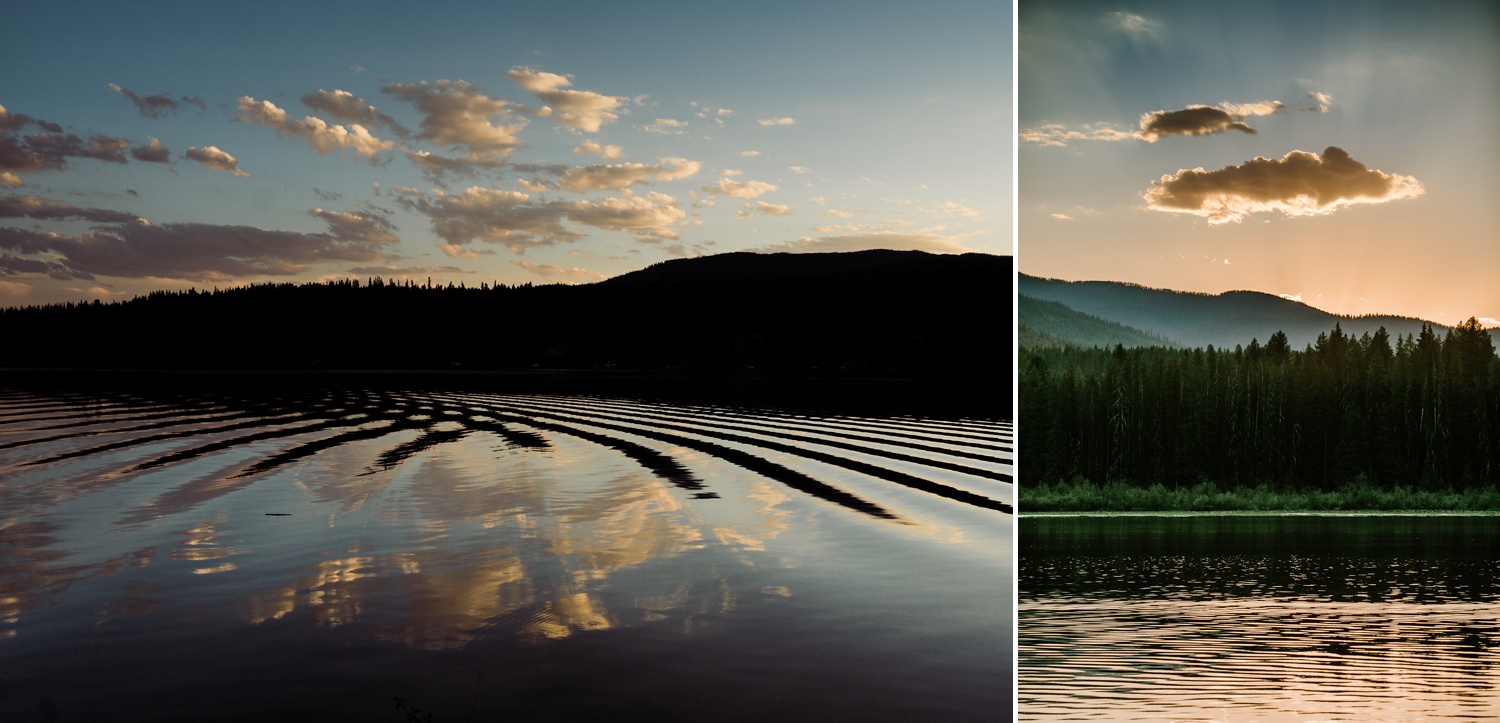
pixel 139 525
pixel 1259 618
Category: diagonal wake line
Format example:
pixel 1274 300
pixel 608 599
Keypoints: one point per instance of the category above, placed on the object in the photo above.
pixel 889 475
pixel 900 478
pixel 952 467
pixel 789 477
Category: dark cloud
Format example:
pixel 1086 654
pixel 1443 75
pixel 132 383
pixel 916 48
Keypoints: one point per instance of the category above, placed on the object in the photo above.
pixel 16 121
pixel 350 108
pixel 327 195
pixel 1298 184
pixel 156 105
pixel 1198 120
pixel 358 226
pixel 17 265
pixel 50 210
pixel 187 251
pixel 509 218
pixel 153 152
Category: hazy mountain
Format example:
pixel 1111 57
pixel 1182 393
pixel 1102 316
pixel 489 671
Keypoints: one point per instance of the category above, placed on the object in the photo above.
pixel 1196 319
pixel 1051 324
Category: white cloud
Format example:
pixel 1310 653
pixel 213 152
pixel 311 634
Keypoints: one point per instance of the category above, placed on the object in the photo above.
pixel 455 113
pixel 777 121
pixel 593 147
pixel 666 126
pixel 214 158
pixel 548 271
pixel 584 110
pixel 601 177
pixel 323 137
pixel 737 189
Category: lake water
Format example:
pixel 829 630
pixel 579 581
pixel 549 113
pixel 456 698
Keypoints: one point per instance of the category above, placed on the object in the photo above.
pixel 1279 618
pixel 212 551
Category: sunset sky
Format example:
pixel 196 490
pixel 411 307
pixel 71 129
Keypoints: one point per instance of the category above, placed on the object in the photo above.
pixel 1341 153
pixel 168 145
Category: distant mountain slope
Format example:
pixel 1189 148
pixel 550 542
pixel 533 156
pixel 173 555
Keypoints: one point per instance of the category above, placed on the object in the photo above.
pixel 1049 323
pixel 1196 319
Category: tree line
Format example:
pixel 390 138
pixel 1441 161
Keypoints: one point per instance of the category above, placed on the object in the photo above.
pixel 1421 410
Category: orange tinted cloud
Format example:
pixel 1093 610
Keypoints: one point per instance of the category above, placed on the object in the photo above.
pixel 1298 184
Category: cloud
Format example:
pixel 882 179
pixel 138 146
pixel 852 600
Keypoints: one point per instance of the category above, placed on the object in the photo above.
pixel 1292 297
pixel 750 153
pixel 156 105
pixel 931 243
pixel 1195 120
pixel 49 150
pixel 593 147
pixel 777 121
pixel 187 251
pixel 358 226
pixel 324 137
pixel 1489 321
pixel 548 271
pixel 456 114
pixel 1138 28
pixel 772 209
pixel 153 152
pixel 1321 102
pixel 648 217
pixel 215 158
pixel 533 186
pixel 1057 135
pixel 508 218
pixel 1062 217
pixel 800 169
pixel 350 108
pixel 665 126
pixel 1298 184
pixel 581 109
pixel 738 189
pixel 405 271
pixel 601 177
pixel 48 209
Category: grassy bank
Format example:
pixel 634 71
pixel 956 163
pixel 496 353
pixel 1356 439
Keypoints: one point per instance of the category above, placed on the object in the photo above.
pixel 1081 495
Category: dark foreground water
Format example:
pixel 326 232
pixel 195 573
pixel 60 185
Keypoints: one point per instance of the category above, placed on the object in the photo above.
pixel 1286 618
pixel 315 552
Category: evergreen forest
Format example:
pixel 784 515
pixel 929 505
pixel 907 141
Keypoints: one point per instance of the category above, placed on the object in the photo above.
pixel 1420 412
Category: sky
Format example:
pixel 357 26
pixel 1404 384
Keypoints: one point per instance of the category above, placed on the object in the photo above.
pixel 1343 154
pixel 167 145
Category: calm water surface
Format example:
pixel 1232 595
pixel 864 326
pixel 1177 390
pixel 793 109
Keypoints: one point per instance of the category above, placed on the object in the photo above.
pixel 1286 618
pixel 317 552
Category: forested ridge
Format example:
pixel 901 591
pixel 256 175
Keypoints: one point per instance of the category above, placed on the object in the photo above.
pixel 872 313
pixel 1418 411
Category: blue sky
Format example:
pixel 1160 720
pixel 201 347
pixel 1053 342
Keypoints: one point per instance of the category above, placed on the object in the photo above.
pixel 167 145
pixel 1340 153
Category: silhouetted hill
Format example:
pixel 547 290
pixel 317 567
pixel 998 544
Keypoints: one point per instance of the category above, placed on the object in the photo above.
pixel 1198 320
pixel 864 314
pixel 1050 324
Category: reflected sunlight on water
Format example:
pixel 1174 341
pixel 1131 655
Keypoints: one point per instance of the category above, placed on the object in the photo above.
pixel 1259 618
pixel 317 551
